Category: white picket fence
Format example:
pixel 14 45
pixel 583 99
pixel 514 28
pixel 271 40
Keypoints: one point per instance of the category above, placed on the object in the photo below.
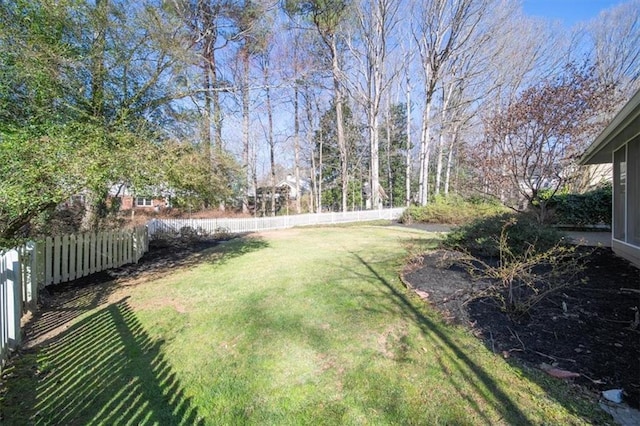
pixel 257 224
pixel 38 264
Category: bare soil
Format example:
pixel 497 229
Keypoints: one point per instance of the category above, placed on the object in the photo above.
pixel 588 328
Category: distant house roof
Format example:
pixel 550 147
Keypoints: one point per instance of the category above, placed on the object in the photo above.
pixel 290 181
pixel 624 126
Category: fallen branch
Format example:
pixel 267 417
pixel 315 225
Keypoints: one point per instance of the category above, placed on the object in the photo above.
pixel 514 334
pixel 555 358
pixel 595 381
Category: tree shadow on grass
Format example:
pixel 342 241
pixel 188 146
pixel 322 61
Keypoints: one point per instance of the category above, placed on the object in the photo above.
pixel 473 374
pixel 104 369
pixel 63 303
pixel 236 248
pixel 166 258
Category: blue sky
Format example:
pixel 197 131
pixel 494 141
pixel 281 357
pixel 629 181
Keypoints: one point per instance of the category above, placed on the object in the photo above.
pixel 569 12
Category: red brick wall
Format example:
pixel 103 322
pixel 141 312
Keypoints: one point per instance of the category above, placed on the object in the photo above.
pixel 128 203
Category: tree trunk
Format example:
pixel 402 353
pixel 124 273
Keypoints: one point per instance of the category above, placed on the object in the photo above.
pixel 390 174
pixel 272 161
pixel 296 147
pixel 444 115
pixel 245 134
pixel 439 161
pixel 407 174
pixel 447 177
pixel 425 146
pixel 375 158
pixel 98 71
pixel 320 164
pixel 342 144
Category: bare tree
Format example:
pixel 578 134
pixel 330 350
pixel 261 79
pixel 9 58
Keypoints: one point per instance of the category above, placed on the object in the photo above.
pixel 265 65
pixel 443 29
pixel 615 39
pixel 204 19
pixel 376 20
pixel 327 17
pixel 298 65
pixel 531 144
pixel 250 36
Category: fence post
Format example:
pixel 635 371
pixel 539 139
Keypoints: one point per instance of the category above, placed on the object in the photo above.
pixel 30 275
pixel 135 246
pixel 14 298
pixel 40 265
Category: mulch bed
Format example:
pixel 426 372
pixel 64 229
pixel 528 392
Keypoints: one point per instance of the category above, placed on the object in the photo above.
pixel 586 328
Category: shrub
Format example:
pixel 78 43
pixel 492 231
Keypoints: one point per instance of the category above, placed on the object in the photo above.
pixel 451 210
pixel 482 236
pixel 522 279
pixel 590 208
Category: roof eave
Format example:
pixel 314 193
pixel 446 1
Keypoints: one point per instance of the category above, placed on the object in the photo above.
pixel 600 151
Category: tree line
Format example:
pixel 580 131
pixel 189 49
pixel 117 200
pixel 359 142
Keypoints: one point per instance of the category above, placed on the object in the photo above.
pixel 366 103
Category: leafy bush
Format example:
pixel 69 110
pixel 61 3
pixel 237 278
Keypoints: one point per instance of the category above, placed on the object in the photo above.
pixel 451 210
pixel 590 208
pixel 482 236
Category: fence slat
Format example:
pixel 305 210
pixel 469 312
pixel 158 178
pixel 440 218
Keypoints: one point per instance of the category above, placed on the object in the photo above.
pixel 57 249
pixel 64 264
pixel 79 255
pixel 92 254
pixel 4 324
pixel 48 256
pixel 128 242
pixel 40 264
pixel 102 251
pixel 86 248
pixel 72 257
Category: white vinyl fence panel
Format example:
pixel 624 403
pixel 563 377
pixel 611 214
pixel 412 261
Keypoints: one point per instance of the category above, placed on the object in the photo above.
pixel 28 268
pixel 68 257
pixel 256 224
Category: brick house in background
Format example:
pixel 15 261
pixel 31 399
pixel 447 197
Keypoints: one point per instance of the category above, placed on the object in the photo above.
pixel 130 201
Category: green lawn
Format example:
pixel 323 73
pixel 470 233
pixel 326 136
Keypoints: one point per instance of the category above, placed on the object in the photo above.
pixel 305 326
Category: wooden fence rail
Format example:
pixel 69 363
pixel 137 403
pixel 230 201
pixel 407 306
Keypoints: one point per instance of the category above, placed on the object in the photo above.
pixel 35 265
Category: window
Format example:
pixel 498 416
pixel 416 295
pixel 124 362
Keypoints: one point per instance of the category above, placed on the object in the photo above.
pixel 144 202
pixel 619 193
pixel 633 192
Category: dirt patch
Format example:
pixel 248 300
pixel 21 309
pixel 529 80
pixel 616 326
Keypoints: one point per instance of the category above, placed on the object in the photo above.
pixel 588 328
pixel 393 343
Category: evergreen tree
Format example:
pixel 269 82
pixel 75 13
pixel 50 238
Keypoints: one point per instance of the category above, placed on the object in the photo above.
pixel 393 143
pixel 327 153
